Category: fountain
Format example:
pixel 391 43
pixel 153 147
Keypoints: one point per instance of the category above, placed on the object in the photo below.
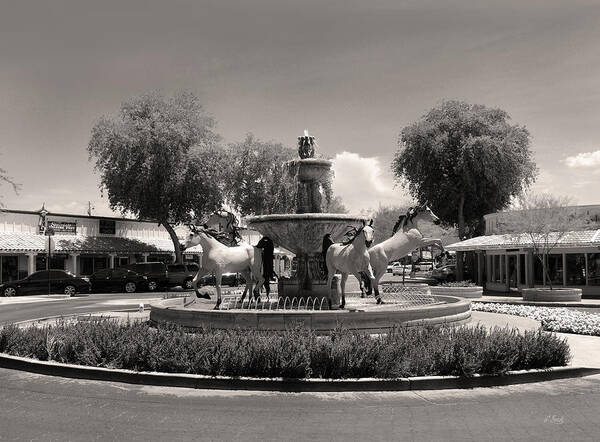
pixel 302 233
pixel 305 298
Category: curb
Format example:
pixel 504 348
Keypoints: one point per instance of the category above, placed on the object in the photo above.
pixel 287 385
pixel 540 303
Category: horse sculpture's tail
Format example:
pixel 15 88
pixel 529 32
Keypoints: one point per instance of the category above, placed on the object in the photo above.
pixel 327 242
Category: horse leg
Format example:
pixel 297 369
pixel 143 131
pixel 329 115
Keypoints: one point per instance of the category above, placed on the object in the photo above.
pixel 248 288
pixel 218 277
pixel 199 274
pixel 343 283
pixel 374 284
pixel 361 284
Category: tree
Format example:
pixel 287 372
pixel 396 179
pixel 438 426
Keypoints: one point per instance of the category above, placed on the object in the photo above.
pixel 158 160
pixel 5 179
pixel 542 220
pixel 464 161
pixel 262 178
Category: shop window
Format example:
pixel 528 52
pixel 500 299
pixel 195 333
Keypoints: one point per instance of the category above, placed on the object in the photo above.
pixel 57 262
pixel 92 264
pixel 496 274
pixel 575 268
pixel 555 269
pixel 594 269
pixel 10 268
pixel 166 259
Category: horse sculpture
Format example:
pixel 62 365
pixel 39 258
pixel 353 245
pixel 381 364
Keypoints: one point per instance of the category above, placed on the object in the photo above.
pixel 352 256
pixel 268 248
pixel 219 258
pixel 406 237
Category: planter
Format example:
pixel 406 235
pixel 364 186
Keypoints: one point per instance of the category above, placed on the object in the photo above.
pixel 462 292
pixel 554 295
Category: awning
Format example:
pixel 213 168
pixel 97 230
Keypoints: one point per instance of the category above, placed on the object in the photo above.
pixel 33 243
pixel 572 239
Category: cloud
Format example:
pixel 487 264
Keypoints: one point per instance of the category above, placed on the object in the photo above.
pixel 364 184
pixel 584 159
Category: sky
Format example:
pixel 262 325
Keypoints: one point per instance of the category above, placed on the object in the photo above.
pixel 353 73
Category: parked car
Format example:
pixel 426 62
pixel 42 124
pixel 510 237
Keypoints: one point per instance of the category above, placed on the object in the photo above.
pixel 399 269
pixel 445 273
pixel 182 274
pixel 390 267
pixel 38 283
pixel 424 266
pixel 156 272
pixel 121 280
pixel 230 279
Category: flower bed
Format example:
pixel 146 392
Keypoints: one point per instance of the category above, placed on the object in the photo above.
pixel 463 289
pixel 552 318
pixel 296 353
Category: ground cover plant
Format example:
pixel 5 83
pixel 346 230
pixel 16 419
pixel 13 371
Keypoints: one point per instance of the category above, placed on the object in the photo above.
pixel 297 353
pixel 555 319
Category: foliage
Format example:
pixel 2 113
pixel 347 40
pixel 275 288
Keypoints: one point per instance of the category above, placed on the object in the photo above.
pixel 158 160
pixel 259 179
pixel 262 178
pixel 296 353
pixel 466 283
pixel 465 161
pixel 542 220
pixel 553 319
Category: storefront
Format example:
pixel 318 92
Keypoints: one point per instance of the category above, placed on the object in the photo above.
pixel 80 244
pixel 506 262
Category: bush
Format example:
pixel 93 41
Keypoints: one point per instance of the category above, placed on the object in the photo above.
pixel 296 353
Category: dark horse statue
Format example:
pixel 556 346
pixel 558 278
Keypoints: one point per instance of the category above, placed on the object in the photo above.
pixel 267 250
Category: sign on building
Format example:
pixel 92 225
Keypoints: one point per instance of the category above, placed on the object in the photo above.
pixel 108 226
pixel 63 227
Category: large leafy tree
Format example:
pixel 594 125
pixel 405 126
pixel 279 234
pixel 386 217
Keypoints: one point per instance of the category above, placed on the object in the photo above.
pixel 262 178
pixel 464 160
pixel 158 159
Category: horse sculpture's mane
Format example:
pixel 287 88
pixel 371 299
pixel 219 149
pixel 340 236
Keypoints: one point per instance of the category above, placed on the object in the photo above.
pixel 406 218
pixel 352 234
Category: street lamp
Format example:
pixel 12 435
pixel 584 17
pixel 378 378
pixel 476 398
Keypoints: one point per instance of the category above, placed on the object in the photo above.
pixel 49 231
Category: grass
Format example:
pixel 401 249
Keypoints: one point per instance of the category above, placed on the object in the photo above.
pixel 297 353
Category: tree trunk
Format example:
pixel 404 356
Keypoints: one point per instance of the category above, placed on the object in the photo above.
pixel 176 244
pixel 461 218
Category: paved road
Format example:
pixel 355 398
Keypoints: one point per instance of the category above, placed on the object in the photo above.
pixel 36 407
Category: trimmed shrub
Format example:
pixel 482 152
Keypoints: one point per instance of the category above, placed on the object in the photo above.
pixel 295 353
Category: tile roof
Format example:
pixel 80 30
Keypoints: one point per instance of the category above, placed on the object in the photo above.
pixel 28 242
pixel 576 238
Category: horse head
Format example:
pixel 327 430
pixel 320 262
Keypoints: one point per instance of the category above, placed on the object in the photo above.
pixel 368 232
pixel 420 213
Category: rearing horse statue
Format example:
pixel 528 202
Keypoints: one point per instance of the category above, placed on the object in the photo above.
pixel 406 237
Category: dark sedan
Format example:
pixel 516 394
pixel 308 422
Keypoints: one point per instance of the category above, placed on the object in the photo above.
pixel 118 280
pixel 44 282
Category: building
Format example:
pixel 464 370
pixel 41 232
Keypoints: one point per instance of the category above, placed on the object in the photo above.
pixel 85 244
pixel 503 260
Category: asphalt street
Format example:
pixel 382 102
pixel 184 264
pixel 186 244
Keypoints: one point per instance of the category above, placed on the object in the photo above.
pixel 37 407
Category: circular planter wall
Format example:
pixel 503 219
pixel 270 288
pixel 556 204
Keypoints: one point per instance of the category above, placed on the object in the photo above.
pixel 554 295
pixel 462 292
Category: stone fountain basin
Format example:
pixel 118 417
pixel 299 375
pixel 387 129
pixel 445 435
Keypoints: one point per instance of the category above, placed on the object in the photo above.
pixel 303 233
pixel 447 310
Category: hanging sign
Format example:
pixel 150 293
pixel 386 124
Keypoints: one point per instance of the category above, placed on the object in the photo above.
pixel 61 227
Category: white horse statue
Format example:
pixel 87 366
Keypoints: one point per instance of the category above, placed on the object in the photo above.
pixel 352 256
pixel 406 237
pixel 219 258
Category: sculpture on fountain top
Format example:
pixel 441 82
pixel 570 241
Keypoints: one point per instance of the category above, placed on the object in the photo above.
pixel 306 146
